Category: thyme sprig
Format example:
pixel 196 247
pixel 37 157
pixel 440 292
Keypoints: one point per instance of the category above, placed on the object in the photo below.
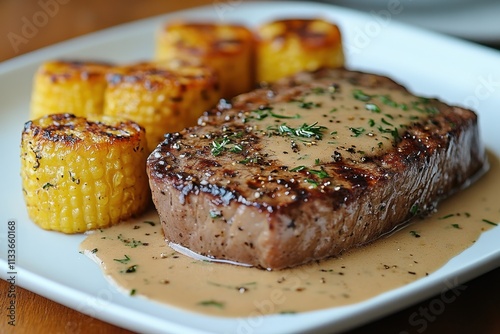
pixel 304 131
pixel 321 173
pixel 220 145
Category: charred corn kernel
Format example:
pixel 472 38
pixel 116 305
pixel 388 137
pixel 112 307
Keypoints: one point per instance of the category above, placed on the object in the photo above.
pixel 286 47
pixel 163 97
pixel 81 173
pixel 226 48
pixel 69 86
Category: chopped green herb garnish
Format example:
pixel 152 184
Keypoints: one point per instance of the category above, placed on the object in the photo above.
pixel 124 260
pixel 307 131
pixel 372 107
pixel 386 122
pixel 385 99
pixel 132 292
pixel 94 251
pixel 132 243
pixel 283 116
pixel 447 216
pixel 308 105
pixel 371 122
pixel 316 161
pixel 211 302
pixel 456 226
pixel 248 160
pixel 415 234
pixel 490 222
pixel 395 135
pixel 431 110
pixel 219 145
pixel 311 182
pixel 298 169
pixel 236 148
pixel 403 106
pixel 357 131
pixel 288 312
pixel 381 129
pixel 358 94
pixel 414 209
pixel 319 173
pixel 47 185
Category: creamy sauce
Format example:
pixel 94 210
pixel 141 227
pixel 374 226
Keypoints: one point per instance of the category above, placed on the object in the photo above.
pixel 135 256
pixel 353 123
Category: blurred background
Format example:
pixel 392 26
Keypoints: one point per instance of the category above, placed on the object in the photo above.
pixel 477 20
pixel 27 25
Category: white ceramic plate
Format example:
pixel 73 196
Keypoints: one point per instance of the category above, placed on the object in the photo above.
pixel 49 264
pixel 475 20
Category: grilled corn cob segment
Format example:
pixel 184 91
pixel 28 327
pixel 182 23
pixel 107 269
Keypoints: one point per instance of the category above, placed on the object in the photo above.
pixel 68 86
pixel 226 48
pixel 81 173
pixel 286 47
pixel 163 97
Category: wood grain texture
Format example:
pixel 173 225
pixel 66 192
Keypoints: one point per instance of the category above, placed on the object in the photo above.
pixel 29 25
pixel 474 310
pixel 36 314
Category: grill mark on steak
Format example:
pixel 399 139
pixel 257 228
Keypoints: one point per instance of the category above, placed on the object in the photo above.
pixel 292 216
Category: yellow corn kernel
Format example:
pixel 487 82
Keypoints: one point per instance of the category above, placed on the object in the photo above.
pixel 286 47
pixel 163 97
pixel 68 87
pixel 225 47
pixel 81 173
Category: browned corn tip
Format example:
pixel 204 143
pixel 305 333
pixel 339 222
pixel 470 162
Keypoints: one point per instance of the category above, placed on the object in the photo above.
pixel 76 87
pixel 285 47
pixel 69 129
pixel 81 173
pixel 156 75
pixel 67 70
pixel 162 96
pixel 228 48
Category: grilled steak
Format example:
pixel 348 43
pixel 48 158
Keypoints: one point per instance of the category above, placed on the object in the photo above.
pixel 309 167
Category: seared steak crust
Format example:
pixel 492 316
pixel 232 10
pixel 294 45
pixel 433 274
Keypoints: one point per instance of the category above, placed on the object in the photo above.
pixel 223 190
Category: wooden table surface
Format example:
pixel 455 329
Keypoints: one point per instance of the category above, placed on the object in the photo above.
pixel 476 309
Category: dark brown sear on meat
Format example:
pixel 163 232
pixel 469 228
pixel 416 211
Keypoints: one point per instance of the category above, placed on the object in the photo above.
pixel 309 167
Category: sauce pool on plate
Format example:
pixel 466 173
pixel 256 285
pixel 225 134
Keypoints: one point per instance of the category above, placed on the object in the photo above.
pixel 136 257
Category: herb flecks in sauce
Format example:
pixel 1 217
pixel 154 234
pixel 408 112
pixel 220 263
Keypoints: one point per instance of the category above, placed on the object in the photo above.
pixel 327 118
pixel 236 288
pixel 487 221
pixel 415 234
pixel 304 131
pixel 307 287
pixel 124 260
pixel 213 303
